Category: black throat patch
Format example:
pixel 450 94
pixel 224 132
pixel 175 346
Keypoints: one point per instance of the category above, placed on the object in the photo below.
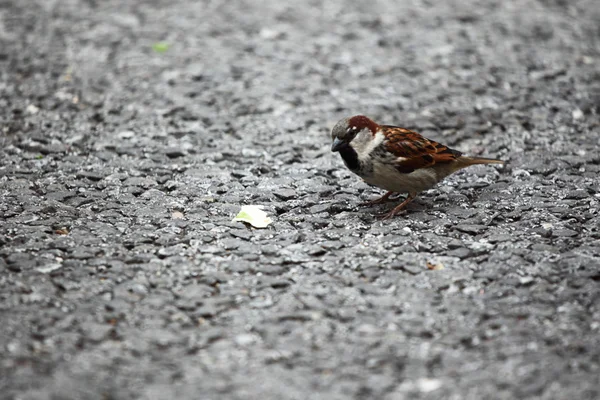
pixel 350 158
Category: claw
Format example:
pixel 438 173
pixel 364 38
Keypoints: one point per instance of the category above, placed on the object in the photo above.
pixel 388 215
pixel 400 207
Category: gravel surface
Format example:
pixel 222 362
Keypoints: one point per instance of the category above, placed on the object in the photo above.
pixel 123 161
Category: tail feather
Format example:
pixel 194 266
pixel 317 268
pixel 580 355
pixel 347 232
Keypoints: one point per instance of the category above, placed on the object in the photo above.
pixel 464 162
pixel 478 160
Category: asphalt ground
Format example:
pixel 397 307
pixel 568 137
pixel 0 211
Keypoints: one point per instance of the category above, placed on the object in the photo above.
pixel 133 131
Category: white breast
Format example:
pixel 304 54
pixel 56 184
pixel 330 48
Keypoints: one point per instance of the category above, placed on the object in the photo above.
pixel 387 177
pixel 377 167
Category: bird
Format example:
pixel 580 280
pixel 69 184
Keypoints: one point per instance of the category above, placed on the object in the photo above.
pixel 396 159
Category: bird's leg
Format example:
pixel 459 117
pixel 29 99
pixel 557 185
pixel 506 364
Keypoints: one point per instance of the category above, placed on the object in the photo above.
pixel 380 200
pixel 400 207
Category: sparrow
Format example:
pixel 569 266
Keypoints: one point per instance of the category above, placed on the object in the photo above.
pixel 396 159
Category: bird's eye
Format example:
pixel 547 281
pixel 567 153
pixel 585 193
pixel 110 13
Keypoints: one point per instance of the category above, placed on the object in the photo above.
pixel 352 131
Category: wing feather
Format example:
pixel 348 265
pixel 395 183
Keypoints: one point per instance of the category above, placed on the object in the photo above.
pixel 413 151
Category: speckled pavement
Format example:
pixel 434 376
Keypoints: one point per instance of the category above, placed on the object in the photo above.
pixel 133 131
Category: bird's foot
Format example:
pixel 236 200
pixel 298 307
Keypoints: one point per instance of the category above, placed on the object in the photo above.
pixel 380 200
pixel 399 208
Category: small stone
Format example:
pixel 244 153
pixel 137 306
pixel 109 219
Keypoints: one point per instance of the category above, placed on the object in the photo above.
pixel 97 332
pixel 17 261
pixel 577 194
pixel 239 267
pixel 540 166
pixel 177 215
pixel 231 243
pixel 280 284
pixel 270 269
pixel 298 316
pixel 367 330
pixel 46 269
pixel 91 175
pixel 472 229
pixel 427 385
pixel 14 267
pixel 126 134
pixel 499 238
pixel 174 152
pixel 319 208
pixel 241 234
pixel 161 337
pixel 270 34
pixel 564 233
pixel 410 268
pixel 245 339
pixel 13 347
pixel 461 253
pixel 32 109
pixel 455 244
pixel 285 194
pixel 526 280
pixel 195 293
pixel 315 250
pixel 544 247
pixel 83 253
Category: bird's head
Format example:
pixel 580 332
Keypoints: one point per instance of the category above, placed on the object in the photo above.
pixel 356 130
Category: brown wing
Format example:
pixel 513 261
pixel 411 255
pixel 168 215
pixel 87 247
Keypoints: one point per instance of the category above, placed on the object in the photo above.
pixel 414 151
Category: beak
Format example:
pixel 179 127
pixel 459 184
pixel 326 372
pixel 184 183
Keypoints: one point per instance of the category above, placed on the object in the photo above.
pixel 337 144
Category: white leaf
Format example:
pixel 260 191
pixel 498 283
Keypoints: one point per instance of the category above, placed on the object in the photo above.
pixel 254 215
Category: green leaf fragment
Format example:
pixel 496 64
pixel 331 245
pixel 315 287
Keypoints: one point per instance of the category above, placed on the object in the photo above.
pixel 243 215
pixel 160 47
